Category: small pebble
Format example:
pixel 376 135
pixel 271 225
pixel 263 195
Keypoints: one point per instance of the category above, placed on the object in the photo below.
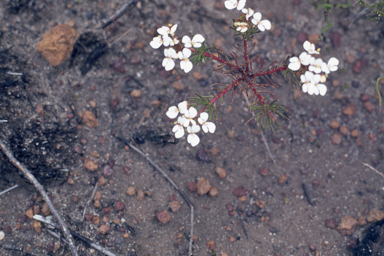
pixel 88 216
pixel 240 191
pixel 336 138
pixel 211 245
pixel 29 213
pixel 37 226
pixel 232 239
pixel 361 220
pixel 101 181
pixel 354 133
pixel 140 195
pixel 202 155
pixel 213 192
pixel 2 235
pixel 163 217
pixel 192 186
pixel 330 223
pixel 174 205
pixel 97 204
pixel 75 199
pixel 334 124
pixel 336 39
pixel 350 58
pixel 264 172
pixel 261 204
pixel 45 210
pixel 197 75
pixel 349 110
pixel 230 134
pixel 283 178
pixel 221 172
pixel 358 66
pixel 347 225
pixel 103 229
pixel 369 106
pixel 203 186
pixel 131 191
pixel 178 86
pixel 96 219
pixel 106 210
pixel 344 130
pixel 375 215
pixel 119 206
pixel 136 93
pixel 214 151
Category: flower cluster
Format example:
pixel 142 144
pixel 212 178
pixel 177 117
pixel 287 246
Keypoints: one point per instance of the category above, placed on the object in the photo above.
pixel 167 38
pixel 187 122
pixel 243 26
pixel 311 77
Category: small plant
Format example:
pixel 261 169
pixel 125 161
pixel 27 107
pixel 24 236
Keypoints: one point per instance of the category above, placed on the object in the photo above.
pixel 245 78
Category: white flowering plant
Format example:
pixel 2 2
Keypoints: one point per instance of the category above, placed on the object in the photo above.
pixel 195 116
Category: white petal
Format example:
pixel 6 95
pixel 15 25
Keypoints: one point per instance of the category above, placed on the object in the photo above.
pixel 183 107
pixel 195 128
pixel 197 45
pixel 305 87
pixel 193 139
pixel 204 116
pixel 205 128
pixel 192 112
pixel 186 53
pixel 311 89
pixel 305 58
pixel 172 112
pixel 167 40
pixel 294 66
pixel 325 68
pixel 156 42
pixel 188 66
pixel 169 65
pixel 163 30
pixel 256 17
pixel 186 41
pixel 322 89
pixel 307 46
pixel 229 4
pixel 309 75
pixel 173 29
pixel 179 133
pixel 211 127
pixel 266 25
pixel 198 38
pixel 241 4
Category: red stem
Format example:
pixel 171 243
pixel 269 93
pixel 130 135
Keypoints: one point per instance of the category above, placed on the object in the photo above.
pixel 214 99
pixel 265 73
pixel 246 55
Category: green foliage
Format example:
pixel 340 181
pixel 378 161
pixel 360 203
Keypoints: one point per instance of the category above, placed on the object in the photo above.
pixel 377 7
pixel 198 57
pixel 203 102
pixel 266 114
pixel 377 89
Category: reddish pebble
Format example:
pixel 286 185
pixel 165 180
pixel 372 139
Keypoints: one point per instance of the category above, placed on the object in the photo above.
pixel 336 138
pixel 229 207
pixel 336 39
pixel 163 217
pixel 192 186
pixel 106 210
pixel 240 191
pixel 364 98
pixel 88 216
pixel 107 171
pixel 127 170
pixel 369 106
pixel 264 172
pixel 359 65
pixel 119 206
pixel 302 37
pixel 330 223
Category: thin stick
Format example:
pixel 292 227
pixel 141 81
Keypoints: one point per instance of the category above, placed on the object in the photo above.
pixel 118 14
pixel 40 188
pixel 261 131
pixel 90 199
pixel 78 236
pixel 373 169
pixel 8 189
pixel 170 181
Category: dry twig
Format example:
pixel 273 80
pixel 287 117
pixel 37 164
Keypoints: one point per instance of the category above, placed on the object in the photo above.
pixel 118 14
pixel 170 181
pixel 78 236
pixel 373 169
pixel 8 189
pixel 44 194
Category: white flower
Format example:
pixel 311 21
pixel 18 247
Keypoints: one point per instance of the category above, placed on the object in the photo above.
pixel 189 115
pixel 331 66
pixel 178 129
pixel 185 63
pixel 232 4
pixel 296 62
pixel 249 12
pixel 315 65
pixel 306 79
pixel 173 111
pixel 192 138
pixel 316 87
pixel 168 62
pixel 262 25
pixel 241 26
pixel 207 126
pixel 165 30
pixel 159 40
pixel 195 42
pixel 310 48
pixel 174 41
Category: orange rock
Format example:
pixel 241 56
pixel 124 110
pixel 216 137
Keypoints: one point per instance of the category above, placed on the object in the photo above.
pixel 221 172
pixel 213 192
pixel 37 226
pixel 90 119
pixel 57 44
pixel 349 110
pixel 347 226
pixel 163 217
pixel 90 165
pixel 203 186
pixel 211 245
pixel 375 215
pixel 103 229
pixel 175 206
